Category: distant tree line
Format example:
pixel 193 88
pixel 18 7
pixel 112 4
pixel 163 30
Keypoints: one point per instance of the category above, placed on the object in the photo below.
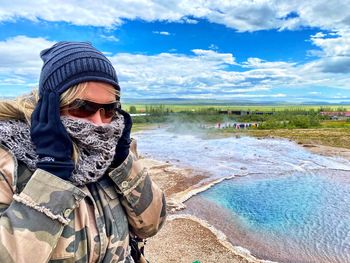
pixel 288 118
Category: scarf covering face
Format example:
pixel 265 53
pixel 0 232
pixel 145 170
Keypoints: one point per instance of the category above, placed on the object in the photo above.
pixel 96 144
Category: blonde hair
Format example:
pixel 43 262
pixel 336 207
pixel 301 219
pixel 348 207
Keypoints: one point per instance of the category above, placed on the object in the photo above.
pixel 22 107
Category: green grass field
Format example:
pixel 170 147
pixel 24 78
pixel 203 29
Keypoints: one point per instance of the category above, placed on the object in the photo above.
pixel 187 107
pixel 335 137
pixel 335 124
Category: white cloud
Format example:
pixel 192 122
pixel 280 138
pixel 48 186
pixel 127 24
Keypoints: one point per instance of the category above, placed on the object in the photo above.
pixel 204 74
pixel 259 63
pixel 333 52
pixel 110 38
pixel 242 15
pixel 318 35
pixel 12 81
pixel 339 96
pixel 164 33
pixel 213 47
pixel 20 62
pixel 236 96
pixel 334 44
pixel 189 21
pixel 227 58
pixel 314 93
pixel 169 75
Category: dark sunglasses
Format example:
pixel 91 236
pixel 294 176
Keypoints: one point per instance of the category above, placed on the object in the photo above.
pixel 85 108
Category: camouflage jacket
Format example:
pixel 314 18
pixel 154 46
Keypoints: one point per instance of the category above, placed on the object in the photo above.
pixel 46 219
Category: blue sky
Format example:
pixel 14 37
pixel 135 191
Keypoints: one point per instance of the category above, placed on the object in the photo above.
pixel 242 50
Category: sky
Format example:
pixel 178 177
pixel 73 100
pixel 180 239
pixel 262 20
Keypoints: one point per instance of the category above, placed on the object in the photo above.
pixel 257 51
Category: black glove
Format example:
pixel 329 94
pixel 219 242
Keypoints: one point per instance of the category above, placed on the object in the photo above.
pixel 123 146
pixel 52 142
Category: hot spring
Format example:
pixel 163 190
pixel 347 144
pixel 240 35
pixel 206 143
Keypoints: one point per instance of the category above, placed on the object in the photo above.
pixel 284 203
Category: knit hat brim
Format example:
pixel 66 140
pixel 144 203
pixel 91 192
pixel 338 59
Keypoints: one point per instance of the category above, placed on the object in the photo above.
pixel 81 79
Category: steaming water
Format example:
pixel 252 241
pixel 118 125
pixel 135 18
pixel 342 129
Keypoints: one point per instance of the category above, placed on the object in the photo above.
pixel 289 206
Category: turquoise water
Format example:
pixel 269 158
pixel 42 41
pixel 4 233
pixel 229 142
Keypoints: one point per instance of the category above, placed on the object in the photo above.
pixel 268 204
pixel 302 217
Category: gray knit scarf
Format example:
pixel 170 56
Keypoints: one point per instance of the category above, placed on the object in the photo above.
pixel 96 144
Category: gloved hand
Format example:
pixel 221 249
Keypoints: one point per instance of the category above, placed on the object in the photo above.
pixel 123 146
pixel 52 142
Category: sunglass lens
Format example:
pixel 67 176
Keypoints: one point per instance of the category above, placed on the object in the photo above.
pixel 110 109
pixel 81 112
pixel 84 109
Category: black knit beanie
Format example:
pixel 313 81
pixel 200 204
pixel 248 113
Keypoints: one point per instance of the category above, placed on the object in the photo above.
pixel 69 63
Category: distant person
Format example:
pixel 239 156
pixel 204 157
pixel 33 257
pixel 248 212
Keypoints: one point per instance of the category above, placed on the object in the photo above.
pixel 70 188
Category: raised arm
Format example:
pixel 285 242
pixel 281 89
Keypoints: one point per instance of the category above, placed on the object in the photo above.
pixel 142 199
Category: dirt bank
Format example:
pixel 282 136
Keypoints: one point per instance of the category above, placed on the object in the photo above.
pixel 328 150
pixel 187 239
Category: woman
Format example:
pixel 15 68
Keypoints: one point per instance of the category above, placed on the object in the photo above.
pixel 70 189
